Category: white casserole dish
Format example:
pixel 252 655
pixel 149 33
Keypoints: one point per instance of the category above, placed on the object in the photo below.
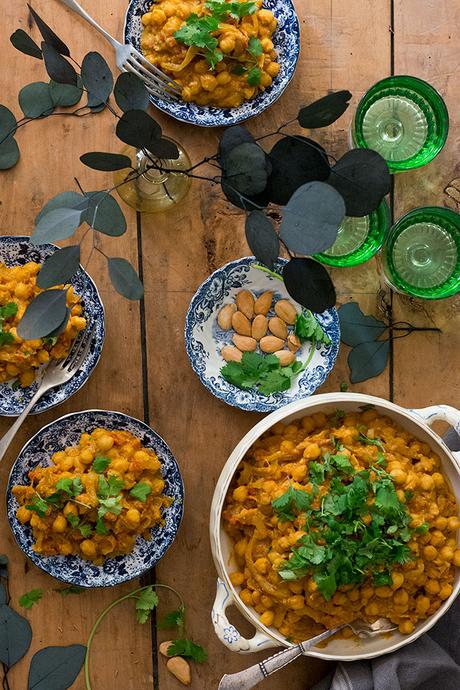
pixel 415 421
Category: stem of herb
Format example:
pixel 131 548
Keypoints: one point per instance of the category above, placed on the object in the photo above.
pixel 267 270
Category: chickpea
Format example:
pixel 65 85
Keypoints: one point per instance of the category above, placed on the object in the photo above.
pixel 267 618
pixel 422 605
pixel 208 82
pixel 319 419
pixel 432 587
pixel 296 587
pixel 398 579
pixel 426 482
pixel 133 518
pixel 401 597
pixel 23 515
pixel 296 602
pixel 447 554
pixel 86 456
pixel 437 538
pixel 383 592
pixel 88 548
pixel 399 476
pixel 246 597
pixel 70 509
pixel 21 291
pixel 43 356
pixel 406 627
pixel 445 592
pixel 372 608
pixel 265 16
pixel 266 601
pixel 456 558
pixel 273 69
pixel 105 442
pixel 429 553
pixel 227 44
pixel 453 523
pixel 440 523
pixel 59 524
pixel 312 451
pixel 240 494
pixel 237 578
pixel 267 45
pixel 262 565
pixel 307 424
pixel 157 17
pixel 438 480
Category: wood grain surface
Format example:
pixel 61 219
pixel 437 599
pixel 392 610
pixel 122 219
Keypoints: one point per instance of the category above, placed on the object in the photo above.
pixel 144 370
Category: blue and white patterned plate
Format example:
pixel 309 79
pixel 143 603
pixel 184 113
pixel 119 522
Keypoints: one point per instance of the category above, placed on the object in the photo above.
pixel 204 339
pixel 66 431
pixel 286 40
pixel 18 251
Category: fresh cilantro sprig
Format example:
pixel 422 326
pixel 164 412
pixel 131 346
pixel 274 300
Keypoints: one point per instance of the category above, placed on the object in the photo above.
pixel 236 10
pixel 6 312
pixel 28 599
pixel 292 499
pixel 173 619
pixel 371 441
pixel 146 602
pixel 307 327
pixel 67 591
pixel 261 371
pixel 188 649
pixel 38 505
pixel 140 491
pixel 100 464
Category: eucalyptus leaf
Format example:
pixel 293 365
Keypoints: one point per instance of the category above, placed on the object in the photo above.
pixel 9 154
pixel 63 200
pixel 97 78
pixel 59 267
pixel 131 93
pixel 356 327
pixel 4 566
pixel 308 282
pixel 15 636
pixel 65 95
pixel 246 168
pixel 57 67
pixel 105 215
pixel 247 203
pixel 362 177
pixel 43 315
pixel 232 137
pixel 138 129
pixel 48 34
pixel 164 149
pixel 125 279
pixel 295 161
pixel 7 123
pixel 3 595
pixel 262 238
pixel 25 44
pixel 368 360
pixel 311 218
pixel 35 99
pixel 324 111
pixel 61 328
pixel 56 668
pixel 98 160
pixel 58 224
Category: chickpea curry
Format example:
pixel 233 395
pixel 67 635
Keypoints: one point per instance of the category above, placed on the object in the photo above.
pixel 95 499
pixel 341 517
pixel 19 358
pixel 220 52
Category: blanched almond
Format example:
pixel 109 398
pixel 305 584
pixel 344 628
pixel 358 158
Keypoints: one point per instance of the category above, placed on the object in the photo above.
pixel 231 354
pixel 164 646
pixel 278 327
pixel 293 342
pixel 286 311
pixel 285 357
pixel 244 343
pixel 245 303
pixel 180 668
pixel 259 327
pixel 263 303
pixel 224 318
pixel 271 343
pixel 241 323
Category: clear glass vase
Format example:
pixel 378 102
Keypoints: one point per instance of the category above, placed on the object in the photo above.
pixel 158 185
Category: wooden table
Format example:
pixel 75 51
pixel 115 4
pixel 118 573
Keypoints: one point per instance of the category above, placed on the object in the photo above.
pixel 144 370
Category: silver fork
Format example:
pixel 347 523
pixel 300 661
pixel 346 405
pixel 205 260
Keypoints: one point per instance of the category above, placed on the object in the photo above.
pixel 129 59
pixel 53 374
pixel 254 674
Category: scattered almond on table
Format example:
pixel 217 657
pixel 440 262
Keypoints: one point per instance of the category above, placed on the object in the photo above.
pixel 253 328
pixel 176 665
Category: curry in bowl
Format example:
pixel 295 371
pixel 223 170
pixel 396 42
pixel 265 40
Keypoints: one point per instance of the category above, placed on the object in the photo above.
pixel 219 52
pixel 340 517
pixel 95 499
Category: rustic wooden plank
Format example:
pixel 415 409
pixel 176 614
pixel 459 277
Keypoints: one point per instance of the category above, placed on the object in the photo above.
pixel 49 162
pixel 427 46
pixel 180 249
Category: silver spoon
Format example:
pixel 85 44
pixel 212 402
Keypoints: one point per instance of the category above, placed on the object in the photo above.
pixel 254 674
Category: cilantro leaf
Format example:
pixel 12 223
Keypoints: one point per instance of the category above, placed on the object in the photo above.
pixel 327 584
pixel 9 310
pixel 109 487
pixel 100 527
pixel 342 463
pixel 72 487
pixel 140 491
pixel 307 327
pixel 6 338
pixel 28 599
pixel 284 505
pixel 382 578
pixel 371 441
pixel 173 619
pixel 147 601
pixel 197 31
pixel 100 464
pixel 233 8
pixel 255 47
pixel 239 69
pixel 423 528
pixel 263 371
pixel 73 520
pixel 38 505
pixel 85 530
pixel 109 505
pixel 254 76
pixel 188 649
pixel 72 589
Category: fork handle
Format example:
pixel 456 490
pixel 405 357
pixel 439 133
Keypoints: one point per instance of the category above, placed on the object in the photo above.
pixel 73 5
pixel 11 433
pixel 244 680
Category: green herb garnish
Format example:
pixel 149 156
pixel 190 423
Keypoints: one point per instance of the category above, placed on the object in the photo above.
pixel 255 47
pixel 72 589
pixel 307 327
pixel 293 499
pixel 187 649
pixel 100 464
pixel 173 619
pixel 262 371
pixel 254 76
pixel 6 312
pixel 38 505
pixel 146 602
pixel 28 599
pixel 140 491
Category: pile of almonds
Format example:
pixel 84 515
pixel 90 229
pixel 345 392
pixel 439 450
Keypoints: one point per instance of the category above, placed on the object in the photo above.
pixel 248 317
pixel 176 665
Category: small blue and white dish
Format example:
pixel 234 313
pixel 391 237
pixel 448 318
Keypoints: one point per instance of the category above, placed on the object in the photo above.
pixel 66 431
pixel 286 40
pixel 16 251
pixel 204 339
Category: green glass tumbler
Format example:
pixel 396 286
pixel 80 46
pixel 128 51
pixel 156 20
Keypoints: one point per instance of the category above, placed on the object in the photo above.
pixel 404 119
pixel 358 239
pixel 421 257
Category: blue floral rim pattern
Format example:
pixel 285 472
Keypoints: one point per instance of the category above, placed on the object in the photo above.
pixel 19 251
pixel 286 40
pixel 204 339
pixel 66 431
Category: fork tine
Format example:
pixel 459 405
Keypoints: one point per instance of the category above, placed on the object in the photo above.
pixel 79 351
pixel 138 57
pixel 151 86
pixel 151 79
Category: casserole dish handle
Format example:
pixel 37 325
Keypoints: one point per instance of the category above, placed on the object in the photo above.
pixel 227 633
pixel 444 413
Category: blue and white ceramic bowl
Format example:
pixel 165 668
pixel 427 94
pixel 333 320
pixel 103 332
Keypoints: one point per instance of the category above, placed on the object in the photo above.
pixel 204 339
pixel 18 251
pixel 66 431
pixel 286 40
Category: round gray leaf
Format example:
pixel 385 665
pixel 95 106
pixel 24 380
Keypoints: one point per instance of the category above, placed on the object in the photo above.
pixel 356 327
pixel 63 200
pixel 65 95
pixel 311 218
pixel 97 78
pixel 7 122
pixel 58 224
pixel 368 360
pixel 9 154
pixel 48 34
pixel 138 129
pixel 131 93
pixel 59 267
pixel 99 160
pixel 57 67
pixel 125 279
pixel 35 99
pixel 246 168
pixel 15 636
pixel 43 315
pixel 56 668
pixel 25 44
pixel 262 238
pixel 105 215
